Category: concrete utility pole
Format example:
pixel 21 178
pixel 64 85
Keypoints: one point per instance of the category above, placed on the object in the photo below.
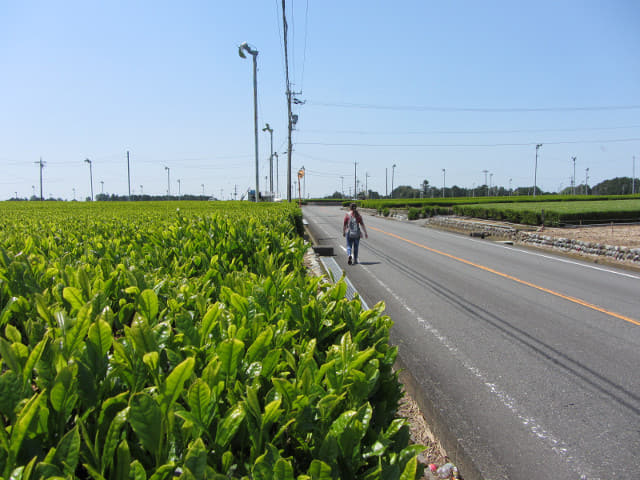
pixel 102 186
pixel 355 181
pixel 573 180
pixel 386 187
pixel 178 187
pixel 254 53
pixel 444 180
pixel 285 29
pixel 128 175
pixel 41 163
pixel 366 184
pixel 535 171
pixel 267 128
pixel 90 176
pixel 342 186
pixel 490 183
pixel 168 181
pixel 202 185
pixel 485 180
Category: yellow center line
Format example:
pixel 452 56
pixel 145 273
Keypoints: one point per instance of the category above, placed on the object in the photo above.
pixel 514 279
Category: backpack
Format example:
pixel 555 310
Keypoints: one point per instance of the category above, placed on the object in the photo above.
pixel 354 228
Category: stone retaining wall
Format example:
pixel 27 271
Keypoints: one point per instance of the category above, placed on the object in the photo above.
pixel 538 239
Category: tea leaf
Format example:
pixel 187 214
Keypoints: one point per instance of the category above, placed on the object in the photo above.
pixel 148 305
pixel 229 425
pixel 174 384
pixel 146 420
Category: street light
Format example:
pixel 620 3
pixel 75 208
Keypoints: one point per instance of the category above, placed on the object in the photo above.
pixel 90 176
pixel 244 47
pixel 267 128
pixel 535 171
pixel 393 171
pixel 168 181
pixel 586 181
pixel 573 180
pixel 444 178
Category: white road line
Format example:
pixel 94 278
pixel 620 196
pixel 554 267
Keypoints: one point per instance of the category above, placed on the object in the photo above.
pixel 556 445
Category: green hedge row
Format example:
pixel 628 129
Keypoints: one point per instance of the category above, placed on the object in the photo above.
pixel 145 341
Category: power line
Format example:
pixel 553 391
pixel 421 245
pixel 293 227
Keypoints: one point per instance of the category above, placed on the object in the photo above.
pixel 419 108
pixel 452 145
pixel 304 52
pixel 467 132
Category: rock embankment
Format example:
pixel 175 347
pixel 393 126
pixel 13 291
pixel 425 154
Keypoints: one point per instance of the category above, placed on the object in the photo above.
pixel 522 236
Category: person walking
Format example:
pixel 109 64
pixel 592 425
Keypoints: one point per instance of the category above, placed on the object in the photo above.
pixel 351 231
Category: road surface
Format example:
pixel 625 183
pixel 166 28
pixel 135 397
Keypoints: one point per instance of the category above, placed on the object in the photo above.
pixel 530 361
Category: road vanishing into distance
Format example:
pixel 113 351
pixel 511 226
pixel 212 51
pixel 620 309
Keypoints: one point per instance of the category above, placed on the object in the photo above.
pixel 527 362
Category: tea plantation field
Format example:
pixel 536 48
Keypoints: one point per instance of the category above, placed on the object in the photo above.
pixel 185 340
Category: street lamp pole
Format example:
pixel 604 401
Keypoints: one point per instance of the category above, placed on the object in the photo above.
pixel 254 53
pixel 573 181
pixel 90 176
pixel 586 181
pixel 535 171
pixel 633 177
pixel 393 171
pixel 267 128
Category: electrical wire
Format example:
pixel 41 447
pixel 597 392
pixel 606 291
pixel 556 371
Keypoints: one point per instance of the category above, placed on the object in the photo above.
pixel 475 145
pixel 467 132
pixel 420 108
pixel 304 52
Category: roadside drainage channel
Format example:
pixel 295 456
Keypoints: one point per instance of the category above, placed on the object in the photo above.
pixel 335 273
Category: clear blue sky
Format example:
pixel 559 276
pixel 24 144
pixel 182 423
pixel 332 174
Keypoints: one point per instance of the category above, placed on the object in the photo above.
pixel 462 85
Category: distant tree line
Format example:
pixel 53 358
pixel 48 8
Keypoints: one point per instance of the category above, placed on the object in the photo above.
pixel 615 186
pixel 103 197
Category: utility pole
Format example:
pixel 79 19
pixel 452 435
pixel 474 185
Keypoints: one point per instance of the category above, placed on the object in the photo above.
pixel 168 181
pixel 485 180
pixel 267 128
pixel 535 171
pixel 102 186
pixel 573 180
pixel 386 188
pixel 444 180
pixel 355 181
pixel 128 175
pixel 366 185
pixel 178 187
pixel 289 114
pixel 90 176
pixel 342 186
pixel 490 183
pixel 202 185
pixel 41 163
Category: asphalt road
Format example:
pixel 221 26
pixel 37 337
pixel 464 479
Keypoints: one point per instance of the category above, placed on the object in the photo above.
pixel 530 361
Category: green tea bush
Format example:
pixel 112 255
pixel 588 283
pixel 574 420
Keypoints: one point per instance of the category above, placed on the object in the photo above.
pixel 160 341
